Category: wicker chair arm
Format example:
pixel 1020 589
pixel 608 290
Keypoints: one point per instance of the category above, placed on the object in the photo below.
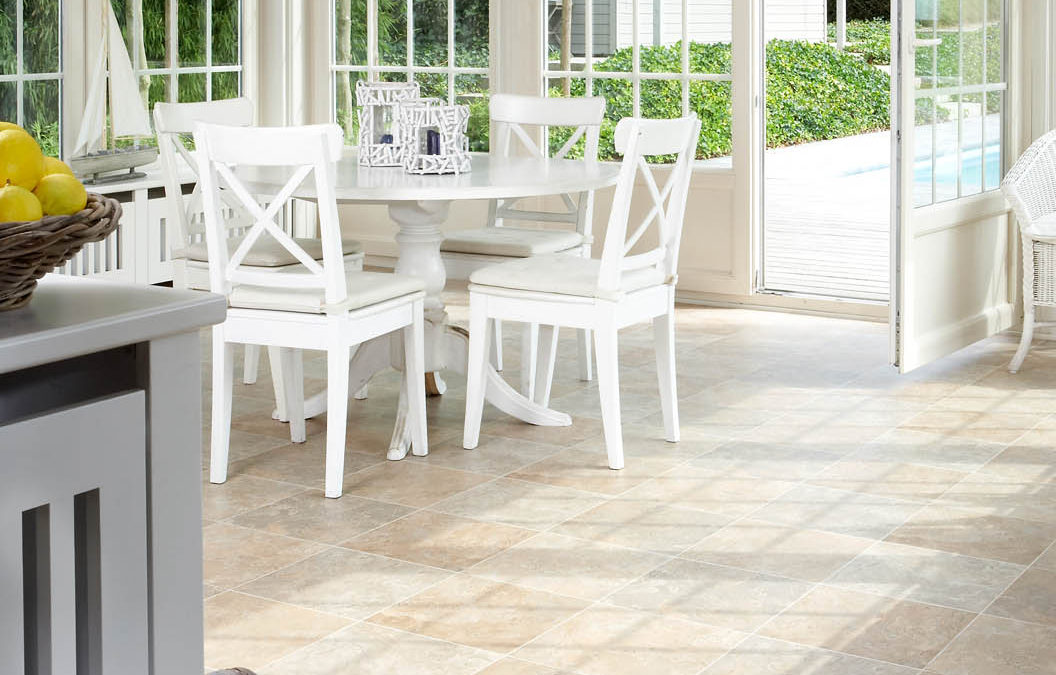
pixel 1030 186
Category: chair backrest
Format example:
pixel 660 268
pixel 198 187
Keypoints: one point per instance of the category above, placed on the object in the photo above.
pixel 1030 186
pixel 299 152
pixel 636 139
pixel 173 122
pixel 514 117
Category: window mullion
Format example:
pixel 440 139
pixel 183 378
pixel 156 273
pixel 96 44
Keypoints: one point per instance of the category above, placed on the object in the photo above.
pixel 372 39
pixel 588 46
pixel 410 40
pixel 173 48
pixel 685 57
pixel 451 52
pixel 208 49
pixel 636 57
pixel 20 117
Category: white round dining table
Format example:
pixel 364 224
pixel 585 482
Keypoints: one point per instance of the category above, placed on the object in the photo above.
pixel 419 205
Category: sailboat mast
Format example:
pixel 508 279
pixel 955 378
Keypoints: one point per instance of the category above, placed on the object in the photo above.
pixel 108 107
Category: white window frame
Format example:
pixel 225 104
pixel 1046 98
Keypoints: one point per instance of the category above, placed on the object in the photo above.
pixel 373 69
pixel 636 76
pixel 20 77
pixel 174 70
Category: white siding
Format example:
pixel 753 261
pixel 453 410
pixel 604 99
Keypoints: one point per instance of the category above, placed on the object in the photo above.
pixel 604 18
pixel 711 21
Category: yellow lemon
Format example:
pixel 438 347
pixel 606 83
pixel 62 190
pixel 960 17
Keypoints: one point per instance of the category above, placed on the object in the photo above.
pixel 21 161
pixel 18 203
pixel 60 194
pixel 53 165
pixel 10 126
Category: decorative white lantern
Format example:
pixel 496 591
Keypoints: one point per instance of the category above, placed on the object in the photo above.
pixel 434 138
pixel 380 140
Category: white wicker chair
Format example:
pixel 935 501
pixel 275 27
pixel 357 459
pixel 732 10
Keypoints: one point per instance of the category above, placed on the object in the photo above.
pixel 1030 188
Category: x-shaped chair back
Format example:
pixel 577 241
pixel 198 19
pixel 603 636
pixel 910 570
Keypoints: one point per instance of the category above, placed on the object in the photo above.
pixel 637 139
pixel 297 152
pixel 515 115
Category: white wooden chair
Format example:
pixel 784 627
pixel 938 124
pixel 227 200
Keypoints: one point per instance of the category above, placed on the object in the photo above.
pixel 621 289
pixel 313 305
pixel 466 251
pixel 1030 188
pixel 173 123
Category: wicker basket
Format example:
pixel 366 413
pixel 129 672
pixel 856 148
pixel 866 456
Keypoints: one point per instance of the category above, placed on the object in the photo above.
pixel 29 250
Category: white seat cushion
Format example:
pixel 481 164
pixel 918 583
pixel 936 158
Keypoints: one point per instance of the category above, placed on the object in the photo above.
pixel 1043 228
pixel 268 252
pixel 364 288
pixel 510 242
pixel 562 274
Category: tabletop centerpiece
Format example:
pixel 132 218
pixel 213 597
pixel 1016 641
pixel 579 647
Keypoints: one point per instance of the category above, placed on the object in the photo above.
pixel 434 138
pixel 380 135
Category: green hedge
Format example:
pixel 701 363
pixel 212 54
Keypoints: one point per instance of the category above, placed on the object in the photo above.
pixel 814 92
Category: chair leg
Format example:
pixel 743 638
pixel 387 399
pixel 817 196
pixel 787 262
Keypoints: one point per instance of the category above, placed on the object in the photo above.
pixel 336 415
pixel 606 350
pixel 1024 342
pixel 278 382
pixel 496 346
pixel 476 367
pixel 293 387
pixel 414 380
pixel 664 339
pixel 544 374
pixel 223 385
pixel 250 364
pixel 584 347
pixel 529 359
pixel 362 394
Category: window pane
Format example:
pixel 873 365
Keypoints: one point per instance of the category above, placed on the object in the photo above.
pixel 972 44
pixel 992 155
pixel 471 33
pixel 473 91
pixel 42 114
pixel 225 85
pixel 350 26
pixel 345 84
pixel 191 35
pixel 945 167
pixel 8 63
pixel 924 139
pixel 434 85
pixel 971 144
pixel 41 36
pixel 226 49
pixel 191 87
pixel 8 102
pixel 154 33
pixel 392 32
pixel 430 33
pixel 159 90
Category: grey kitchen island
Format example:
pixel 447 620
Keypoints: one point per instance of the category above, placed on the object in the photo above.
pixel 100 479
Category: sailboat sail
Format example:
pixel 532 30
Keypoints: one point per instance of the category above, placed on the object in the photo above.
pixel 127 112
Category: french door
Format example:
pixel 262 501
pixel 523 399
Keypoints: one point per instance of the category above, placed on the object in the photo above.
pixel 950 255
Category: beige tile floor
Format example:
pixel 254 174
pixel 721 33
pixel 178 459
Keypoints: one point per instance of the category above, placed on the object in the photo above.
pixel 821 516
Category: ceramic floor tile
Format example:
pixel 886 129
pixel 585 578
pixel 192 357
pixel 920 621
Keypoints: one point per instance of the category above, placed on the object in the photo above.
pixel 523 504
pixel 589 470
pixel 902 481
pixel 495 455
pixel 668 530
pixel 351 584
pixel 839 511
pixel 410 483
pixel 243 445
pixel 971 533
pixel 787 551
pixel 234 555
pixel 996 427
pixel 511 666
pixel 763 460
pixel 581 429
pixel 480 613
pixel 1031 501
pixel 718 596
pixel 614 641
pixel 726 496
pixel 439 540
pixel 310 515
pixel 241 494
pixel 250 632
pixel 928 449
pixel 758 655
pixel 366 649
pixel 896 631
pixel 1028 460
pixel 927 575
pixel 567 566
pixel 1047 560
pixel 994 646
pixel 1031 598
pixel 302 464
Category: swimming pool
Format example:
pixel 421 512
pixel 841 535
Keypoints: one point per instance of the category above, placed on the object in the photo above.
pixel 975 164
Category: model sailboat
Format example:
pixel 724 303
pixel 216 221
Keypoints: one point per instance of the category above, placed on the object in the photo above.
pixel 113 90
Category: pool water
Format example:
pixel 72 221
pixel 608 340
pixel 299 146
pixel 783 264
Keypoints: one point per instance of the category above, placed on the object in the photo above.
pixel 976 163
